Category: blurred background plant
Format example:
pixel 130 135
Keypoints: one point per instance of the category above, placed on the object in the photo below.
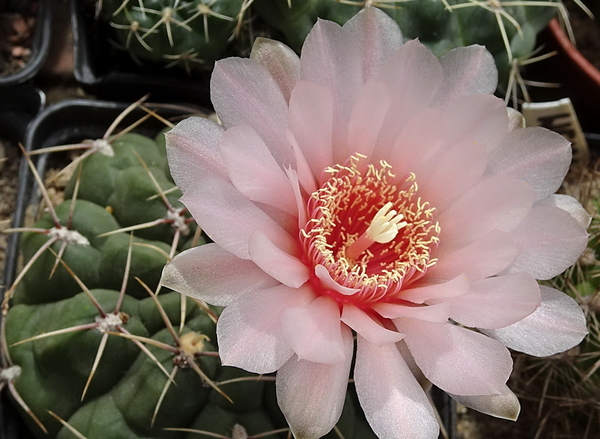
pixel 193 33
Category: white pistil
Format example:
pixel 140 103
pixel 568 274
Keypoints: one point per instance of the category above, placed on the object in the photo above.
pixel 383 228
pixel 385 225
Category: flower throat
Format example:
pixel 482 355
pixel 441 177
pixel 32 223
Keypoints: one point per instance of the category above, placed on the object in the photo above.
pixel 371 233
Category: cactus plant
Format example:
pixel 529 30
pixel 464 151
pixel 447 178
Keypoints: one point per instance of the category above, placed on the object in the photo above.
pixel 194 33
pixel 91 346
pixel 174 31
pixel 508 29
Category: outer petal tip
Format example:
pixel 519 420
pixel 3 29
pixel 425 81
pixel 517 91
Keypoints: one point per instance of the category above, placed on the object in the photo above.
pixel 504 406
pixel 556 326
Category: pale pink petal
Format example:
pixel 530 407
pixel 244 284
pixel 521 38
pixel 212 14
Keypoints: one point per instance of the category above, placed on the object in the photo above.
pixel 483 258
pixel 418 140
pixel 449 174
pixel 413 75
pixel 253 170
pixel 496 302
pixel 192 150
pixel 457 286
pixel 250 333
pixel 570 205
pixel 325 277
pixel 229 218
pixel 311 395
pixel 205 273
pixel 244 92
pixel 551 240
pixel 499 202
pixel 311 122
pixel 504 405
pixel 467 70
pixel 535 155
pixel 279 264
pixel 455 359
pixel 280 61
pixel 314 331
pixel 328 54
pixel 557 325
pixel 394 403
pixel 368 114
pixel 480 119
pixel 438 313
pixel 377 36
pixel 412 365
pixel 292 176
pixel 365 326
pixel 285 220
pixel 306 178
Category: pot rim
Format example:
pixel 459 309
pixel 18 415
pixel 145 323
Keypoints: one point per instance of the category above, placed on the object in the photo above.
pixel 571 51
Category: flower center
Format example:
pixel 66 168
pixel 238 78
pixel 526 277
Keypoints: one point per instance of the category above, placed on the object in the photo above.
pixel 370 231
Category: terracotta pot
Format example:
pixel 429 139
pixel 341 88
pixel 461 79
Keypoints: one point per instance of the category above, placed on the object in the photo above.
pixel 584 70
pixel 578 78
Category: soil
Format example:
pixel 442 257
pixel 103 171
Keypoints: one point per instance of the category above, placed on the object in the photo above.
pixel 8 189
pixel 16 35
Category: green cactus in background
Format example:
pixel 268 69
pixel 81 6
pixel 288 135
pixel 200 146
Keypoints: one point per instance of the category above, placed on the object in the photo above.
pixel 183 32
pixel 193 33
pixel 507 28
pixel 92 347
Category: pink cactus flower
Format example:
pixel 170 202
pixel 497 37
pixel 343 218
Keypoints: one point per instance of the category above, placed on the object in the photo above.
pixel 371 203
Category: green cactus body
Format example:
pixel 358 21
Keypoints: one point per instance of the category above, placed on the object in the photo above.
pixel 138 394
pixel 123 153
pixel 169 30
pixel 98 264
pixel 153 356
pixel 217 419
pixel 81 253
pixel 55 368
pixel 128 190
pixel 147 260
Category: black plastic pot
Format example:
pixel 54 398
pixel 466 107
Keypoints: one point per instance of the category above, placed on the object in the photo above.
pixel 18 106
pixel 110 73
pixel 39 47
